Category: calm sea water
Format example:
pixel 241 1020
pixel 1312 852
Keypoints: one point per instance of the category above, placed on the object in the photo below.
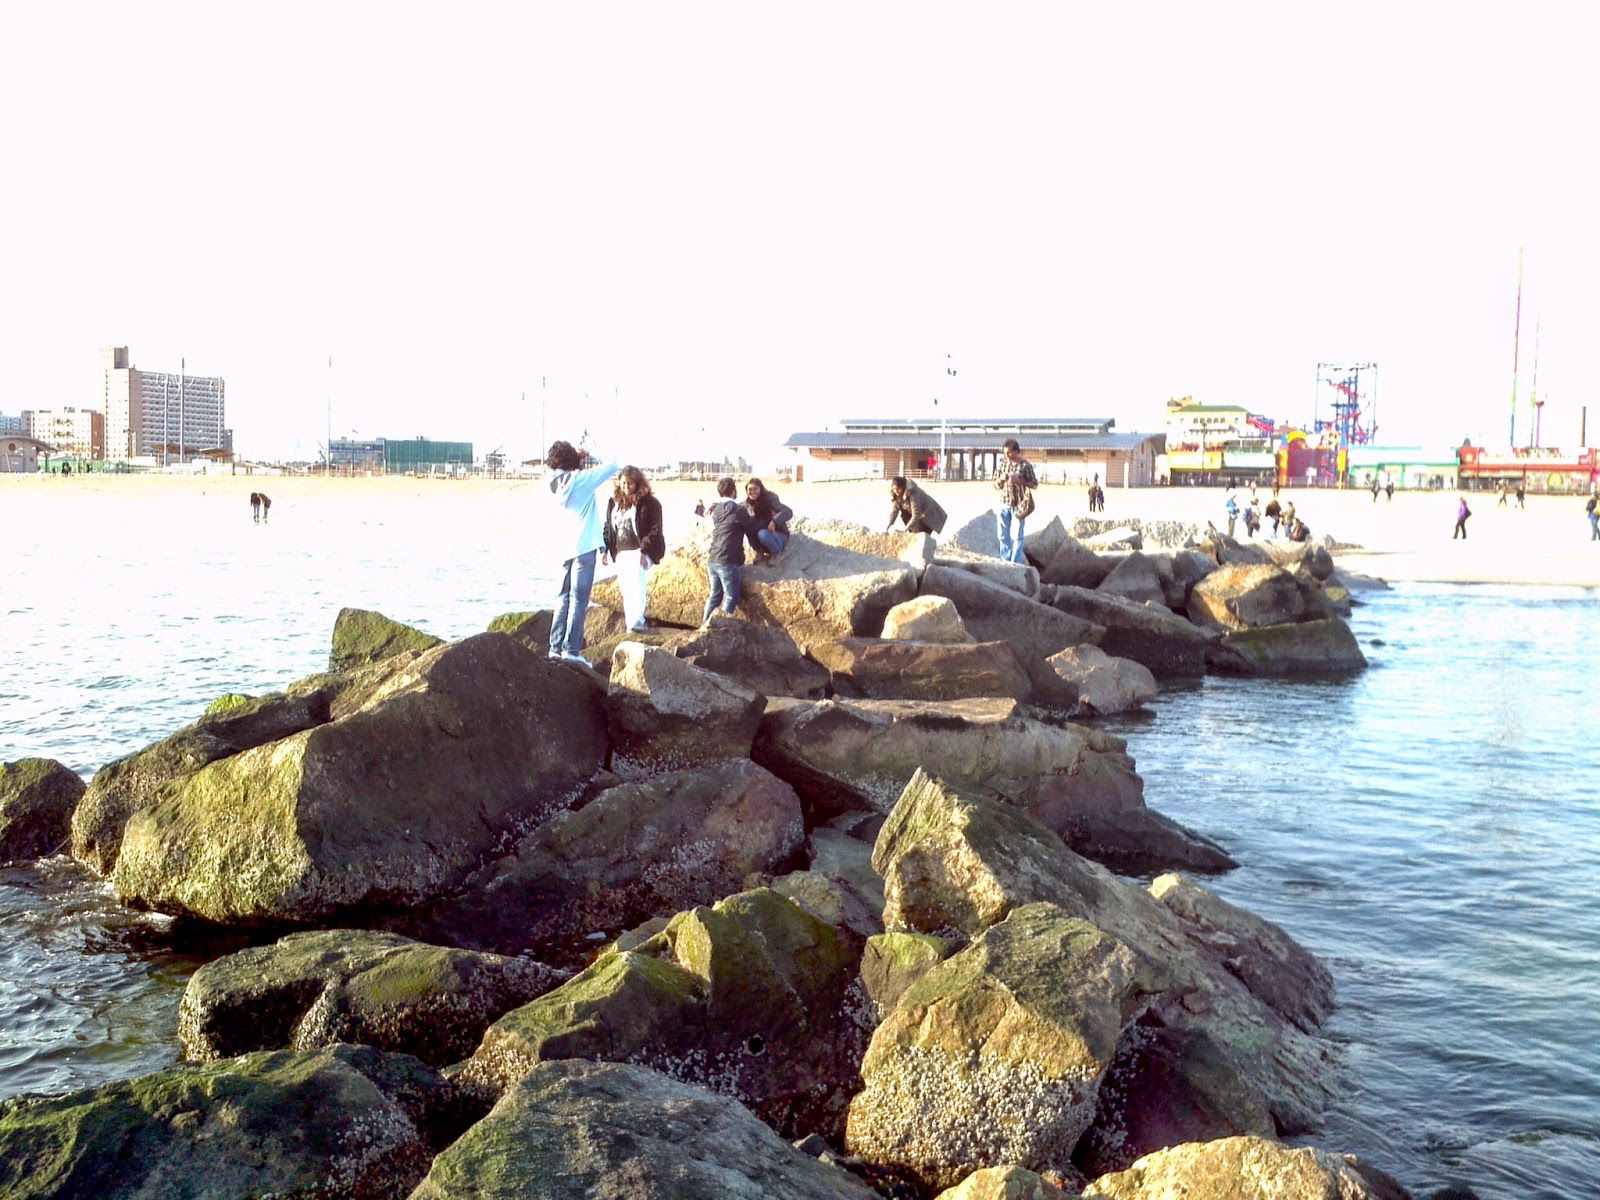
pixel 1431 828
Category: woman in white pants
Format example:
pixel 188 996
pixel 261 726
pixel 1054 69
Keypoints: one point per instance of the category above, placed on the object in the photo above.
pixel 633 539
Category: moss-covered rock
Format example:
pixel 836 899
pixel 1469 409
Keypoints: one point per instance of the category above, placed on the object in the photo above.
pixel 362 637
pixel 532 629
pixel 37 796
pixel 1325 647
pixel 311 990
pixel 892 962
pixel 348 1121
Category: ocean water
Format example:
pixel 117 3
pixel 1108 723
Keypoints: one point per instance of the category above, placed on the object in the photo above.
pixel 1431 827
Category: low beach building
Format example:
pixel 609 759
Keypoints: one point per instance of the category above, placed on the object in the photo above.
pixel 20 454
pixel 1061 449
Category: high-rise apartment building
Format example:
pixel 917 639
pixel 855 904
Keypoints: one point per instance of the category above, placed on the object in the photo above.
pixel 9 424
pixel 169 416
pixel 79 433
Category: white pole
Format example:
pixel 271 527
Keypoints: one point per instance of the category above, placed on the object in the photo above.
pixel 183 367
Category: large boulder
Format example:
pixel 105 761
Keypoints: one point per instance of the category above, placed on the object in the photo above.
pixel 532 629
pixel 1238 1168
pixel 816 591
pixel 925 619
pixel 1022 578
pixel 1005 1183
pixel 1229 552
pixel 37 796
pixel 1314 557
pixel 1045 538
pixel 1135 578
pixel 610 1130
pixel 465 748
pixel 995 1055
pixel 1150 635
pixel 232 724
pixel 1105 684
pixel 762 657
pixel 1075 565
pixel 879 669
pixel 753 997
pixel 316 989
pixel 640 850
pixel 913 548
pixel 362 637
pixel 1180 570
pixel 1247 597
pixel 669 715
pixel 993 613
pixel 1325 647
pixel 346 1123
pixel 963 863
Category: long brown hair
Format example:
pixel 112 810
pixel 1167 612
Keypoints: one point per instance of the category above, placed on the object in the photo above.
pixel 625 499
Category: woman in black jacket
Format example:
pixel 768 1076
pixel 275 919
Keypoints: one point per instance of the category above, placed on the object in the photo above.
pixel 633 539
pixel 771 516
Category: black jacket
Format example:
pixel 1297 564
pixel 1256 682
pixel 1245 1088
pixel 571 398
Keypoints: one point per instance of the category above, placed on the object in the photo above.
pixel 731 525
pixel 647 520
pixel 769 508
pixel 914 504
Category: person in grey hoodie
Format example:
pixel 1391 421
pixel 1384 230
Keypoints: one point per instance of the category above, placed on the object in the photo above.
pixel 576 529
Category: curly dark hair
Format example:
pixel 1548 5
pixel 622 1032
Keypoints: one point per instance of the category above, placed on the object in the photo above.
pixel 563 456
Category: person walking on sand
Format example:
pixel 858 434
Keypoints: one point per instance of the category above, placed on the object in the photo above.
pixel 632 532
pixel 576 529
pixel 1462 513
pixel 255 507
pixel 1272 512
pixel 909 503
pixel 1592 507
pixel 266 506
pixel 731 525
pixel 1015 481
pixel 1522 492
pixel 1388 491
pixel 771 516
pixel 1505 494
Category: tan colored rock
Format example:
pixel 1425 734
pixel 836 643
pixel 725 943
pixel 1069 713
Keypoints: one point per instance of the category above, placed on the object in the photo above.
pixel 762 657
pixel 668 715
pixel 1106 685
pixel 926 619
pixel 1246 597
pixel 1135 578
pixel 1005 1183
pixel 879 669
pixel 1236 1168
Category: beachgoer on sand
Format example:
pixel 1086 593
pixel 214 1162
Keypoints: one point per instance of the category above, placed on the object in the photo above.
pixel 266 506
pixel 1592 507
pixel 771 516
pixel 576 529
pixel 255 506
pixel 1388 491
pixel 1462 513
pixel 633 538
pixel 731 525
pixel 909 503
pixel 1015 481
pixel 1231 507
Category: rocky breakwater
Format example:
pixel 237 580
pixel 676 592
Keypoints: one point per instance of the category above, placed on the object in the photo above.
pixel 754 916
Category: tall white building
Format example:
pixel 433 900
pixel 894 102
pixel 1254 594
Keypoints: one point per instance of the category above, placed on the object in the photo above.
pixel 79 433
pixel 169 416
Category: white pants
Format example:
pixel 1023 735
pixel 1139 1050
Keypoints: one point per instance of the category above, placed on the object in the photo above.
pixel 630 578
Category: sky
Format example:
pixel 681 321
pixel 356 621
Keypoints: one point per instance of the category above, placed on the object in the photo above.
pixel 696 229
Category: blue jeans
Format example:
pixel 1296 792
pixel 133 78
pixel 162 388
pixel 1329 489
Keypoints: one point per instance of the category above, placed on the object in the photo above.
pixel 1009 550
pixel 724 589
pixel 772 543
pixel 572 604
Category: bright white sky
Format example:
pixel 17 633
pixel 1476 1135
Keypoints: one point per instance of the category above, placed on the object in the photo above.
pixel 706 227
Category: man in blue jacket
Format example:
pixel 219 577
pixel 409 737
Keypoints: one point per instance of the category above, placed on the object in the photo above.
pixel 575 527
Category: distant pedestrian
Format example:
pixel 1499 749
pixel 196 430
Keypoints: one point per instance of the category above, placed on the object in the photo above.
pixel 1099 498
pixel 1592 507
pixel 1522 491
pixel 1231 507
pixel 576 528
pixel 1272 513
pixel 632 532
pixel 731 525
pixel 1252 519
pixel 255 507
pixel 1375 489
pixel 1015 481
pixel 266 506
pixel 909 503
pixel 1462 513
pixel 1505 494
pixel 1388 491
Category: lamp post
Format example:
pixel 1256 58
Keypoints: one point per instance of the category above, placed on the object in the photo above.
pixel 1538 420
pixel 944 461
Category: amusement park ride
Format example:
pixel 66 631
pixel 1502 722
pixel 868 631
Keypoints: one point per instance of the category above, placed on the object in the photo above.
pixel 1354 421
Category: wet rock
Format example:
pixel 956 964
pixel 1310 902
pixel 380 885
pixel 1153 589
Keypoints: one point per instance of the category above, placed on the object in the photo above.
pixel 1325 647
pixel 346 1123
pixel 362 637
pixel 668 715
pixel 311 990
pixel 37 797
pixel 606 1129
pixel 463 750
pixel 995 1055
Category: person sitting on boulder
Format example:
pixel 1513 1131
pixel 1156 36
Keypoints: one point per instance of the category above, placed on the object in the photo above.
pixel 771 517
pixel 909 503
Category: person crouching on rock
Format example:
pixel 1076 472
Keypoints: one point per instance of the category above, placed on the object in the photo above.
pixel 772 517
pixel 909 503
pixel 731 525
pixel 632 531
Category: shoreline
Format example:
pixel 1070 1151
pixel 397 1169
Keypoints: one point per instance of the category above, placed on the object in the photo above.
pixel 1406 539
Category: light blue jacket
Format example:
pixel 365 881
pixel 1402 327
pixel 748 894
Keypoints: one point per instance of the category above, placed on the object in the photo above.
pixel 576 525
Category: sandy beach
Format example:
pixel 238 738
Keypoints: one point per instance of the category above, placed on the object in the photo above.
pixel 1406 539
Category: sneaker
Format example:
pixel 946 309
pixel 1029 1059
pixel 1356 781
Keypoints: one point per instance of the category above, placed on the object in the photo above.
pixel 639 628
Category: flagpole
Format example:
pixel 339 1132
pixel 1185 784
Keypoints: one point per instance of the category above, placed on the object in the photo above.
pixel 1516 337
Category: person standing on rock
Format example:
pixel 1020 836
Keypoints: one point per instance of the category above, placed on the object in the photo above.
pixel 731 526
pixel 1462 513
pixel 576 530
pixel 1272 512
pixel 771 516
pixel 909 503
pixel 1015 481
pixel 632 532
